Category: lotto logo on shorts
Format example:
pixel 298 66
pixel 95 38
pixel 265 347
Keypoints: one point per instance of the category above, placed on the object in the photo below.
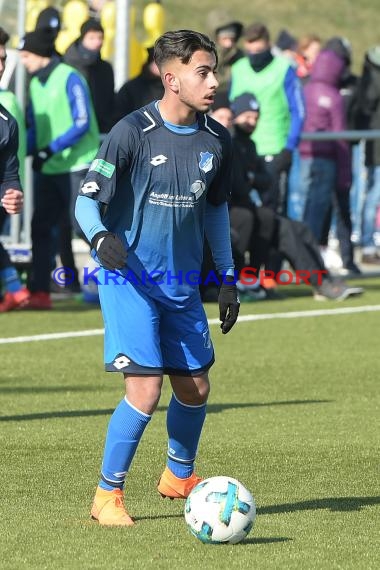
pixel 121 362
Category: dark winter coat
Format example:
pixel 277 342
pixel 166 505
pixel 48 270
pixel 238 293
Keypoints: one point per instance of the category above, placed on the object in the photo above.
pixel 100 78
pixel 368 103
pixel 248 170
pixel 325 111
pixel 137 92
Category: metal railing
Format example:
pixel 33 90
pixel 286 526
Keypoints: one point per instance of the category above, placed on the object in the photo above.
pixel 20 225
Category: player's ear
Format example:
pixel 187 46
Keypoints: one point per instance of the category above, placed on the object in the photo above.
pixel 172 81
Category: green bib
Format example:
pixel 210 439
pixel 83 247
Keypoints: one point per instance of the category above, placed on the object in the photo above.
pixel 53 118
pixel 267 85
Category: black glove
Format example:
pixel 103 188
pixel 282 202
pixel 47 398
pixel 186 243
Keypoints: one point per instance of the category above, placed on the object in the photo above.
pixel 41 157
pixel 110 250
pixel 283 160
pixel 228 303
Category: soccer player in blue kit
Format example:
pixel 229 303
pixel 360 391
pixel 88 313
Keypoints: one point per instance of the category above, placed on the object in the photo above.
pixel 159 184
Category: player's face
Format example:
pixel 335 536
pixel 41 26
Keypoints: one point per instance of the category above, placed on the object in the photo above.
pixel 32 61
pixel 196 81
pixel 3 58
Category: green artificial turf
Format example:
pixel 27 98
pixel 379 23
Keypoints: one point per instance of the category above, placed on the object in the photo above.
pixel 293 414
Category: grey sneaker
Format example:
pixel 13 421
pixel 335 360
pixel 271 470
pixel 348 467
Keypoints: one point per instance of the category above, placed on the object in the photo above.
pixel 336 291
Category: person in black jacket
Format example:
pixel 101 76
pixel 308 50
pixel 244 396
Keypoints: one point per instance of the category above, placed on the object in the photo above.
pixel 84 55
pixel 264 230
pixel 140 90
pixel 368 116
pixel 11 197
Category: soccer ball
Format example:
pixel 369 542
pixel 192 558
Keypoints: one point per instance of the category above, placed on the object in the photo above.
pixel 220 509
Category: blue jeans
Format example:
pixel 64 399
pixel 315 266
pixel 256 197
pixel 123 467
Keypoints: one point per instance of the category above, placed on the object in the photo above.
pixel 296 195
pixel 318 179
pixel 371 203
pixel 357 191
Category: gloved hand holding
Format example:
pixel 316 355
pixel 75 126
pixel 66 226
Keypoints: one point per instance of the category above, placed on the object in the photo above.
pixel 229 303
pixel 110 250
pixel 283 160
pixel 41 157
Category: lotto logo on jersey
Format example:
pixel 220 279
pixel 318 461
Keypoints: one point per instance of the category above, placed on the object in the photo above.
pixel 90 188
pixel 205 162
pixel 159 159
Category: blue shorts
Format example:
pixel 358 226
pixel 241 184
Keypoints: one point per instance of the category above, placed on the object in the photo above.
pixel 144 336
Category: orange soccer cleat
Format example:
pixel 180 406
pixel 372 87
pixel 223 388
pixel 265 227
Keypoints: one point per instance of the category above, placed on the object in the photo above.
pixel 175 488
pixel 108 508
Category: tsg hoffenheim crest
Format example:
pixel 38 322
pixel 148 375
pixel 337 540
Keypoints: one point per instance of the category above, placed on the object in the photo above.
pixel 205 162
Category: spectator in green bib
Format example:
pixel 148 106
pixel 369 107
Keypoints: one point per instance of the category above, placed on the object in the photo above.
pixel 63 137
pixel 273 81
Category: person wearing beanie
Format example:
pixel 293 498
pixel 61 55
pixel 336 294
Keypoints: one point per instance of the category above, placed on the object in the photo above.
pixel 84 54
pixel 39 42
pixel 63 139
pixel 226 38
pixel 140 90
pixel 49 19
pixel 256 229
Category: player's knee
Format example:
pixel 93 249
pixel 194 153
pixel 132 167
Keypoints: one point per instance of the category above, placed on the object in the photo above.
pixel 199 393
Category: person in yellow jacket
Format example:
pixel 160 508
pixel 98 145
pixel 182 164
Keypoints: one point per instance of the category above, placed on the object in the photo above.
pixel 63 137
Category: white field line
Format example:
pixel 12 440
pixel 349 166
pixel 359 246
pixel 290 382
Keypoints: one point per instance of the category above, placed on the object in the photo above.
pixel 242 318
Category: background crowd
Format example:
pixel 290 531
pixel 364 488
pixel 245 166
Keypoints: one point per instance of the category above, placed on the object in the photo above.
pixel 298 87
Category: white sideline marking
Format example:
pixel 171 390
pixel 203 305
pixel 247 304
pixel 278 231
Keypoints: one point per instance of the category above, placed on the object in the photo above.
pixel 51 336
pixel 242 318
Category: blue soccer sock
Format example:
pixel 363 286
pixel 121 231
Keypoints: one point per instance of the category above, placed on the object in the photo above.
pixel 184 424
pixel 11 279
pixel 125 429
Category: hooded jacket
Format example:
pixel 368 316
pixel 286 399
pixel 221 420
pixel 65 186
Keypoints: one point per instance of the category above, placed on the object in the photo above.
pixel 325 111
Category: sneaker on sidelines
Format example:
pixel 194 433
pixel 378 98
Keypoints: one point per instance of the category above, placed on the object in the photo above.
pixel 39 301
pixel 175 488
pixel 15 300
pixel 251 292
pixel 108 508
pixel 336 291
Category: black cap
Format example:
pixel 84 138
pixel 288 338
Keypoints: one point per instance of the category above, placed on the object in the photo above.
pixel 243 103
pixel 49 19
pixel 232 29
pixel 40 42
